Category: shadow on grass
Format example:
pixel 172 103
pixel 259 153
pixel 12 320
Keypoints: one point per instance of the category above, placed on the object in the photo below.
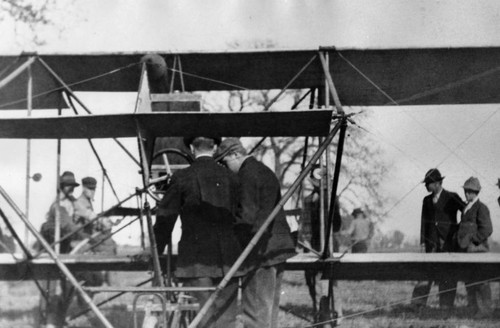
pixel 12 315
pixel 427 313
pixel 302 312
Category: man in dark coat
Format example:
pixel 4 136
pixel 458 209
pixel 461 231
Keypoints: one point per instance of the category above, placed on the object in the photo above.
pixel 259 194
pixel 438 227
pixel 204 197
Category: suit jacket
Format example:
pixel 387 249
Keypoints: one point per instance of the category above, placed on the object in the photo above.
pixel 260 192
pixel 475 228
pixel 204 195
pixel 439 222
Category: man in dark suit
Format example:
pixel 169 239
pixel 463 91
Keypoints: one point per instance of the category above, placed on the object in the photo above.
pixel 438 227
pixel 260 192
pixel 204 196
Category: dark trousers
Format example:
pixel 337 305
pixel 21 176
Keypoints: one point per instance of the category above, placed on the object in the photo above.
pixel 261 297
pixel 360 247
pixel 479 297
pixel 224 311
pixel 423 288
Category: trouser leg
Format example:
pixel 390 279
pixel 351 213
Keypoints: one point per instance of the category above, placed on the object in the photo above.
pixel 483 296
pixel 279 270
pixel 471 295
pixel 311 286
pixel 421 293
pixel 223 312
pixel 447 292
pixel 259 297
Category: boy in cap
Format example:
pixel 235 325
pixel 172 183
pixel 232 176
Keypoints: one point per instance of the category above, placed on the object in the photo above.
pixel 259 194
pixel 84 210
pixel 438 227
pixel 472 237
pixel 84 213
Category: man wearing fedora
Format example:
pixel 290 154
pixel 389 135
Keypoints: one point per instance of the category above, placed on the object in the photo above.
pixel 65 208
pixel 260 192
pixel 204 195
pixel 438 228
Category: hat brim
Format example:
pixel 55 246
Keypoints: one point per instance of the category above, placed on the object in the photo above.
pixel 432 180
pixel 74 184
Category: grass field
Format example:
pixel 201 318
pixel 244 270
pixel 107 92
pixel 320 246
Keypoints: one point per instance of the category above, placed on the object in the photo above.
pixel 365 304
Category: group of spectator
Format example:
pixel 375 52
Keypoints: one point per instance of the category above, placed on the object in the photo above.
pixel 442 232
pixel 224 197
pixel 77 218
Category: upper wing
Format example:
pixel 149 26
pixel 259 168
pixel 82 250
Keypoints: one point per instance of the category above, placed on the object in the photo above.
pixel 171 124
pixel 406 76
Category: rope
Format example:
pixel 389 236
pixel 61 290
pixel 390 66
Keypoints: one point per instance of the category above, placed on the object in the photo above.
pixel 94 150
pixel 209 79
pixel 451 151
pixel 402 301
pixel 451 85
pixel 9 66
pixel 412 159
pixel 70 85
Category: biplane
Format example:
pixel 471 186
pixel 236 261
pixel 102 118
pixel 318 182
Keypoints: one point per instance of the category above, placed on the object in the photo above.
pixel 334 77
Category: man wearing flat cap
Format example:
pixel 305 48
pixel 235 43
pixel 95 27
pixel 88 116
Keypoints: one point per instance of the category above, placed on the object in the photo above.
pixel 260 192
pixel 84 210
pixel 204 196
pixel 438 227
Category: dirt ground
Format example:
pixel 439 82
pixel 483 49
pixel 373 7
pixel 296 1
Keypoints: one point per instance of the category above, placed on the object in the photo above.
pixel 367 304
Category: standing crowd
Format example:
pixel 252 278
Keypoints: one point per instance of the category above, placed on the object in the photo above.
pixel 442 232
pixel 224 197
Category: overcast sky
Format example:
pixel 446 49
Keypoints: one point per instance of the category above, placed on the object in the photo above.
pixel 461 140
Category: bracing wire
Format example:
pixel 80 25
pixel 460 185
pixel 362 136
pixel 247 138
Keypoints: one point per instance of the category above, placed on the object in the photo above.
pixel 402 301
pixel 44 93
pixel 451 85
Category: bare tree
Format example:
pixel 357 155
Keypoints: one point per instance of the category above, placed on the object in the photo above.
pixel 28 15
pixel 363 168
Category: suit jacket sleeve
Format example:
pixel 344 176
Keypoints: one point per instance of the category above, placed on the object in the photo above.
pixel 260 192
pixel 168 211
pixel 422 224
pixel 248 209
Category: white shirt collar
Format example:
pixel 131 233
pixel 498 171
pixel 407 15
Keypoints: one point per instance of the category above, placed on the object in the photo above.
pixel 469 205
